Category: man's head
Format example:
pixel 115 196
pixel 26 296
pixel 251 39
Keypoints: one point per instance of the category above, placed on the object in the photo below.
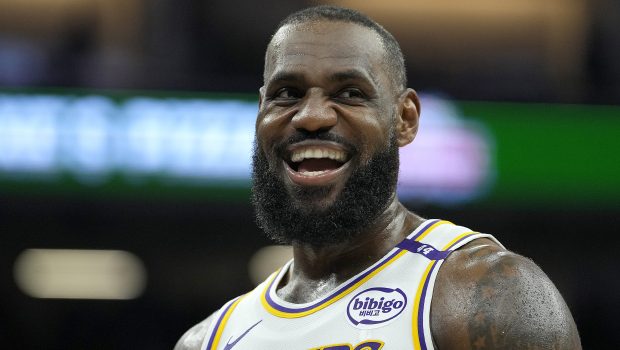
pixel 394 62
pixel 333 112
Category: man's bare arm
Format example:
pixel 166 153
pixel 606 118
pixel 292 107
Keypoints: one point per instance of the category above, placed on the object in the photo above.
pixel 192 339
pixel 488 298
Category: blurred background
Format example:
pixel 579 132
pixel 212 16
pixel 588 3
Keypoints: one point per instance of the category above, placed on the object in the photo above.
pixel 126 128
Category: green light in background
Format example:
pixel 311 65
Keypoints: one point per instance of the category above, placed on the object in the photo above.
pixel 559 154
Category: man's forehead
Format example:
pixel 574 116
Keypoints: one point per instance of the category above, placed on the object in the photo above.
pixel 324 27
pixel 336 41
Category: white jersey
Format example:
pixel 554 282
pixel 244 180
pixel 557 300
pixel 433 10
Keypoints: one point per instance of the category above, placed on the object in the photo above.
pixel 386 306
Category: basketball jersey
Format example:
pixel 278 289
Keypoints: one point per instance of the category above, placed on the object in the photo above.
pixel 386 306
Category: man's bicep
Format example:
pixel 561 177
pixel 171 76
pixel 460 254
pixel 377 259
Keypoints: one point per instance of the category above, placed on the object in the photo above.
pixel 192 339
pixel 500 301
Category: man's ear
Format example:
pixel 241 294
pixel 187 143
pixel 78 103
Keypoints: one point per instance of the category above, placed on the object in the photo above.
pixel 408 117
pixel 261 92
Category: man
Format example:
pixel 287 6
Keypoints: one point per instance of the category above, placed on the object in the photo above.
pixel 334 109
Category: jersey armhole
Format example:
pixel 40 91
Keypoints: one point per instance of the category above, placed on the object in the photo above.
pixel 425 335
pixel 216 328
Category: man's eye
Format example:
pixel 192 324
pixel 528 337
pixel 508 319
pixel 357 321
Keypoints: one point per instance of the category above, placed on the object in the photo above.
pixel 287 94
pixel 351 93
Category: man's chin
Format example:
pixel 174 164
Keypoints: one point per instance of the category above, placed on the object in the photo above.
pixel 314 198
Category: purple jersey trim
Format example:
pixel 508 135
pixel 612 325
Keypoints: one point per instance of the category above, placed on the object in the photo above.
pixel 421 309
pixel 218 323
pixel 428 224
pixel 281 308
pixel 278 307
pixel 426 250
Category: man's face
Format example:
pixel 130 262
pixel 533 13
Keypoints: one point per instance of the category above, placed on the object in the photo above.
pixel 326 156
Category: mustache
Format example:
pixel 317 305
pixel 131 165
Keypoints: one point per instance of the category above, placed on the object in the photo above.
pixel 302 135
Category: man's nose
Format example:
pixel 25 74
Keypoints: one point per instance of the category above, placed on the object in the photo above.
pixel 315 114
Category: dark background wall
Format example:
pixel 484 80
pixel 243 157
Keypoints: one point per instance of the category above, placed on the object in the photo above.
pixel 196 250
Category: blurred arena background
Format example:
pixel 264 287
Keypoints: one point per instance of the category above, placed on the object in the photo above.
pixel 126 128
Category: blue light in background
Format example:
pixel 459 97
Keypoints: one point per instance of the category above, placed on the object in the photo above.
pixel 209 141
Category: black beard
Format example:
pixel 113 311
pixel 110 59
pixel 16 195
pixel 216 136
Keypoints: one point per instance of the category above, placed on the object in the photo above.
pixel 285 219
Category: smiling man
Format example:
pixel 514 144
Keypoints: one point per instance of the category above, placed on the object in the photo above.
pixel 367 273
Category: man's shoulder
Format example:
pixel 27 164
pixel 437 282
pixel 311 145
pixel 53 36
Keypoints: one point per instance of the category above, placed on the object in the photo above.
pixel 193 338
pixel 488 297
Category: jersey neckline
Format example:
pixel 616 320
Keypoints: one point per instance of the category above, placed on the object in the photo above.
pixel 282 308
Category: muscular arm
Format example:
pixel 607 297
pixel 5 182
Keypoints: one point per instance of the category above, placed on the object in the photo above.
pixel 488 298
pixel 192 339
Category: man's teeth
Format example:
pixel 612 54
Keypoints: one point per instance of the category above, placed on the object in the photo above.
pixel 312 173
pixel 308 153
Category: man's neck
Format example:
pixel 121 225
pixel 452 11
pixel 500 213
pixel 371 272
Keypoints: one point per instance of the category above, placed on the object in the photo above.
pixel 318 270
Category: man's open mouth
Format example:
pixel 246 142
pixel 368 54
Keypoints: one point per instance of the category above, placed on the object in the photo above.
pixel 316 161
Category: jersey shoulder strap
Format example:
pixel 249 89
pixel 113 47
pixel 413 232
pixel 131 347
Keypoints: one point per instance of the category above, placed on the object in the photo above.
pixel 434 241
pixel 438 238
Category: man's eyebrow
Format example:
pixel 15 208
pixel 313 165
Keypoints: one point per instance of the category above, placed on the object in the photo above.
pixel 352 74
pixel 341 76
pixel 285 76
